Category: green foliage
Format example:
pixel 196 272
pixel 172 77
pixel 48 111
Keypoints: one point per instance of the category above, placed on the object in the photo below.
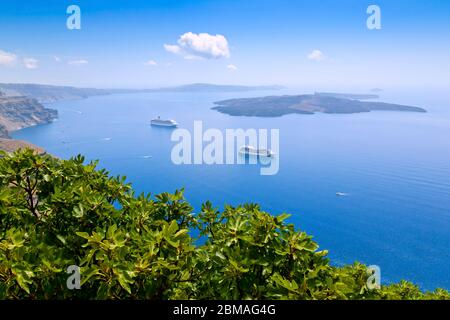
pixel 57 213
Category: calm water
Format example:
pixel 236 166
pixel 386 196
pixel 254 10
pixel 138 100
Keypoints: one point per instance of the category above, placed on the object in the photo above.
pixel 395 166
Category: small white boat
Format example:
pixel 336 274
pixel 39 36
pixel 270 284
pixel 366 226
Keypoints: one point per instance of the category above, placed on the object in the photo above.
pixel 341 194
pixel 163 123
pixel 252 151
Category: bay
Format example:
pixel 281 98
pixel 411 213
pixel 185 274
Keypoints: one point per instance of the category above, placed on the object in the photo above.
pixel 394 166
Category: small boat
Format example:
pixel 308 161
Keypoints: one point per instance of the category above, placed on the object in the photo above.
pixel 163 123
pixel 341 194
pixel 249 150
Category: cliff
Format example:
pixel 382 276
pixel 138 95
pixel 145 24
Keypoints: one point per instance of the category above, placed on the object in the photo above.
pixel 21 112
pixel 18 113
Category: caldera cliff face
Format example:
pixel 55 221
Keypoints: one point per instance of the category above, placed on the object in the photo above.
pixel 21 112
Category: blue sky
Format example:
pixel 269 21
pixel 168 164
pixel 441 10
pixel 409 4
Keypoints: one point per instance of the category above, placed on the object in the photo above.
pixel 293 43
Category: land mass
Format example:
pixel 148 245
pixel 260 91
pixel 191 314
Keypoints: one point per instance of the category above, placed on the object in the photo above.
pixel 276 106
pixel 207 87
pixel 17 112
pixel 21 112
pixel 11 145
pixel 50 93
pixel 47 93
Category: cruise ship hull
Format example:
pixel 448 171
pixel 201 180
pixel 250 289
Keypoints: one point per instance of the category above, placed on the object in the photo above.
pixel 256 152
pixel 164 124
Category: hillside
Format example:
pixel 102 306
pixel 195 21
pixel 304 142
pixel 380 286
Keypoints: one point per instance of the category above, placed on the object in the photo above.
pixel 10 145
pixel 21 112
pixel 48 93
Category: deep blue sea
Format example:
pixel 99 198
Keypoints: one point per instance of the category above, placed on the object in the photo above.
pixel 395 167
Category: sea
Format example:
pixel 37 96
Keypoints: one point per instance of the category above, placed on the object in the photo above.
pixel 392 167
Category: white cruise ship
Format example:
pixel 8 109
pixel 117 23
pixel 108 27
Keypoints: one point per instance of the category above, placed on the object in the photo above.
pixel 249 150
pixel 164 123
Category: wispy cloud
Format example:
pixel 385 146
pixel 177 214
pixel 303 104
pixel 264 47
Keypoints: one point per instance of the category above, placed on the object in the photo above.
pixel 200 46
pixel 316 55
pixel 172 48
pixel 232 67
pixel 30 63
pixel 151 63
pixel 7 58
pixel 78 62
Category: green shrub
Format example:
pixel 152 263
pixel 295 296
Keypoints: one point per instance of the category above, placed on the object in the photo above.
pixel 56 213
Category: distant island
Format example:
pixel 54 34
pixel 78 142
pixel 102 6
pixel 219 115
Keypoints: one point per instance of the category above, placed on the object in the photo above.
pixel 277 106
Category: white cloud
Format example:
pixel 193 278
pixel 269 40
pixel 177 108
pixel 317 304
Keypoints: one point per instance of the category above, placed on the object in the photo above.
pixel 79 62
pixel 316 55
pixel 151 63
pixel 57 59
pixel 200 46
pixel 6 58
pixel 172 48
pixel 30 63
pixel 232 67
